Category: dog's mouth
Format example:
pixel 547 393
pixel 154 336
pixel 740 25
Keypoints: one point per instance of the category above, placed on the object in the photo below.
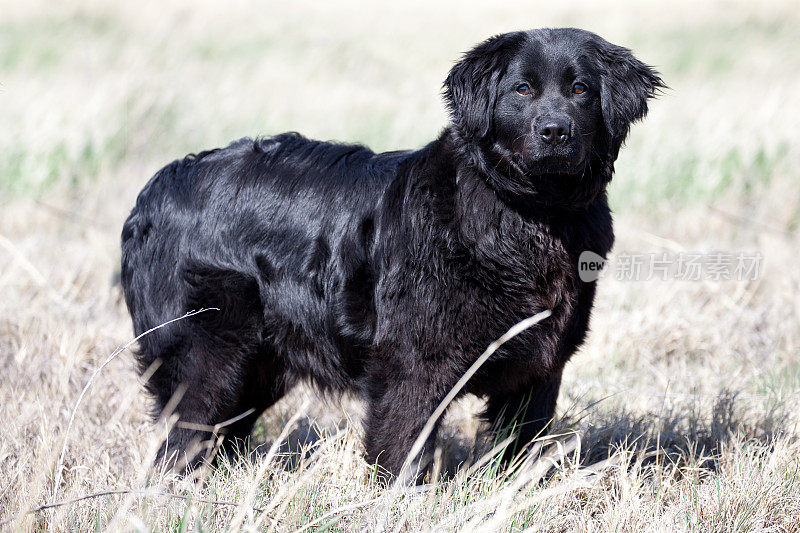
pixel 540 168
pixel 534 160
pixel 552 166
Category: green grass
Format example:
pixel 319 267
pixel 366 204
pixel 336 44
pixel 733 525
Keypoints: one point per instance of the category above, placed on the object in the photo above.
pixel 693 177
pixel 37 45
pixel 65 166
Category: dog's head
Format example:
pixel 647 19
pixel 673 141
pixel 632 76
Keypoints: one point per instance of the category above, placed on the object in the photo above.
pixel 546 111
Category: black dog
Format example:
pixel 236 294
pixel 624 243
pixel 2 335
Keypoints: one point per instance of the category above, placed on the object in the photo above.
pixel 388 274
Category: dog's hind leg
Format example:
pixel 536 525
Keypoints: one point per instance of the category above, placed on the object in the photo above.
pixel 265 381
pixel 200 387
pixel 225 399
pixel 215 368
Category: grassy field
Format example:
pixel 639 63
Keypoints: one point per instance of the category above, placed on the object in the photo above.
pixel 679 414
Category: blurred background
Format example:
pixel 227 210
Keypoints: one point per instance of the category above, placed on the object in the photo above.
pixel 97 95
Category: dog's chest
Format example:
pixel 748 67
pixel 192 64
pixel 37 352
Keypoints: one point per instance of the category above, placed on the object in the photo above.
pixel 521 268
pixel 529 266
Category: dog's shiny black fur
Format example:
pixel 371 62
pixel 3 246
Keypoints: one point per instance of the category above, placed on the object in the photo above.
pixel 389 274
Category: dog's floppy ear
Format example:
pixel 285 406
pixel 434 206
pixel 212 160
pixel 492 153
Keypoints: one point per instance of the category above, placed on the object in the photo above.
pixel 627 84
pixel 470 89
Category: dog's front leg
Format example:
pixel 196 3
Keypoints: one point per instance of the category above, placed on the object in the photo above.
pixel 401 399
pixel 525 414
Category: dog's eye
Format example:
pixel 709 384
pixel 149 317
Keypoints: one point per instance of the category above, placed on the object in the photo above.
pixel 579 88
pixel 524 89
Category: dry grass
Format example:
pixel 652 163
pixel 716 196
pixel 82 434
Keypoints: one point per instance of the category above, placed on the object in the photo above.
pixel 679 414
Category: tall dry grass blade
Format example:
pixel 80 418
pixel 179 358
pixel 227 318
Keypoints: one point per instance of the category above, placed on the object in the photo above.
pixel 114 354
pixel 238 518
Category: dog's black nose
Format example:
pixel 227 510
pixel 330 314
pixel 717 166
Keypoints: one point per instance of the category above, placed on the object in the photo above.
pixel 553 130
